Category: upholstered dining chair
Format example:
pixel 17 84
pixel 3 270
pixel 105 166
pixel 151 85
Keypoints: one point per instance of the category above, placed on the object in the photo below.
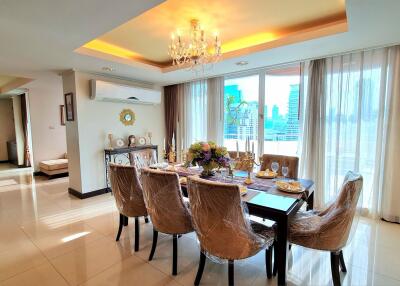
pixel 143 158
pixel 167 210
pixel 284 161
pixel 222 227
pixel 128 196
pixel 329 229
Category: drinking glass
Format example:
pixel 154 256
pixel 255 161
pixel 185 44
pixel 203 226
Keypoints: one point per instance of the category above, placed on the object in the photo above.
pixel 285 171
pixel 275 167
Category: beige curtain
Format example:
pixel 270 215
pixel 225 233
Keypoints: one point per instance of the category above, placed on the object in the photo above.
pixel 312 141
pixel 390 207
pixel 215 109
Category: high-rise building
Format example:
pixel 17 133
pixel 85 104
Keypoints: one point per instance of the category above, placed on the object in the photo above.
pixel 292 125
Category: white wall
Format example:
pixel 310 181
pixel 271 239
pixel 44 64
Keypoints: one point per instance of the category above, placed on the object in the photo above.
pixel 7 130
pixel 45 95
pixel 95 120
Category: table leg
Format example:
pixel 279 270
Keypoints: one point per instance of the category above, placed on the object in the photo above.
pixel 282 249
pixel 310 201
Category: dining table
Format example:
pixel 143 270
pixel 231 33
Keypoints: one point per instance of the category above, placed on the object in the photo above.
pixel 265 200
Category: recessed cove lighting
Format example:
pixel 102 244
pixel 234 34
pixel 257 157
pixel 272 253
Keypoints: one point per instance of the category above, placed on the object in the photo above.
pixel 242 63
pixel 108 69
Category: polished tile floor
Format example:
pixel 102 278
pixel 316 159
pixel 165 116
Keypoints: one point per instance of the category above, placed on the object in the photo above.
pixel 48 237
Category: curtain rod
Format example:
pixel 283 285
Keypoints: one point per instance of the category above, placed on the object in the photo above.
pixel 249 71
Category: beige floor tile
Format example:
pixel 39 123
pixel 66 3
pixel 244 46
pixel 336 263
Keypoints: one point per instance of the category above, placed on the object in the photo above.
pixel 85 262
pixel 19 259
pixel 131 271
pixel 43 275
pixel 11 237
pixel 65 239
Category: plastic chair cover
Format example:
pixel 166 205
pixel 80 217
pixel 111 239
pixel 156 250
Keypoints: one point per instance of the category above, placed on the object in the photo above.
pixel 127 190
pixel 284 161
pixel 329 229
pixel 143 158
pixel 222 226
pixel 164 201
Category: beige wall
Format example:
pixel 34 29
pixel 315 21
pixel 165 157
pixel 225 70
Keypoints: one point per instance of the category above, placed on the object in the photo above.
pixel 94 120
pixel 45 95
pixel 7 129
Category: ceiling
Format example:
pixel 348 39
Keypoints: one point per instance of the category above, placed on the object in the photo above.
pixel 40 37
pixel 240 24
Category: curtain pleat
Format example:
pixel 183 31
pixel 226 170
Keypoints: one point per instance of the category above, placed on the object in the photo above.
pixel 171 114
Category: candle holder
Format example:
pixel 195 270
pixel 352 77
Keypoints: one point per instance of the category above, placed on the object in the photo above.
pixel 171 156
pixel 247 162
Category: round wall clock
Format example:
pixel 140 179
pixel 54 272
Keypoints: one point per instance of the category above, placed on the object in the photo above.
pixel 127 117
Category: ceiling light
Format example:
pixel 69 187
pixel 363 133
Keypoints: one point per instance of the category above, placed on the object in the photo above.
pixel 242 63
pixel 194 48
pixel 108 69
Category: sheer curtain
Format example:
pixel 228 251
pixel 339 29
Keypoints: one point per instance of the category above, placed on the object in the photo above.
pixel 192 113
pixel 215 109
pixel 353 104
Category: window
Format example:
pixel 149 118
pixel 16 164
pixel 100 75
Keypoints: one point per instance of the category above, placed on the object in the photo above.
pixel 281 110
pixel 241 111
pixel 277 102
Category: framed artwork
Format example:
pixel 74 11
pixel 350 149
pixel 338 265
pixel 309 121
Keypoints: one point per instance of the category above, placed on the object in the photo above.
pixel 69 106
pixel 62 116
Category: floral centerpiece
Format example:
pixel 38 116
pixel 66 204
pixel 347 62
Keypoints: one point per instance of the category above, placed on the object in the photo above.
pixel 207 155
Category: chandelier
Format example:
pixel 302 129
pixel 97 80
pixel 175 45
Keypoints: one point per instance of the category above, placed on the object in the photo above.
pixel 195 48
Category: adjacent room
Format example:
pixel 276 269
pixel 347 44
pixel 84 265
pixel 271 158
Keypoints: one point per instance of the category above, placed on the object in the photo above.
pixel 167 142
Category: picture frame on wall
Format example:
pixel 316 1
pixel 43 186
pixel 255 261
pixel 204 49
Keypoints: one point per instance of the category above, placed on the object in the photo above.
pixel 69 106
pixel 62 116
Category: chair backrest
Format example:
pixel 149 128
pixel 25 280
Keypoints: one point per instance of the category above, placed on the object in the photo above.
pixel 338 218
pixel 220 221
pixel 284 161
pixel 164 202
pixel 127 190
pixel 233 154
pixel 143 158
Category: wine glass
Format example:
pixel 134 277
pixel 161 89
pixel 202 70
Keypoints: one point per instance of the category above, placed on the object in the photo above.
pixel 285 171
pixel 275 167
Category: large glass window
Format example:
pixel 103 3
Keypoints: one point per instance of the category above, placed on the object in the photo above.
pixel 241 97
pixel 281 110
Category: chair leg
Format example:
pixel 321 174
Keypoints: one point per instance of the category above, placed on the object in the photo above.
pixel 146 219
pixel 335 268
pixel 341 261
pixel 137 232
pixel 268 262
pixel 275 267
pixel 154 245
pixel 174 254
pixel 121 225
pixel 125 221
pixel 231 273
pixel 199 274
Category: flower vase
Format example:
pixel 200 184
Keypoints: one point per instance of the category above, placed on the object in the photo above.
pixel 207 171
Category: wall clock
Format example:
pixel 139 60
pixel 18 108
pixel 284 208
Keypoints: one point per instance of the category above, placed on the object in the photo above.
pixel 127 117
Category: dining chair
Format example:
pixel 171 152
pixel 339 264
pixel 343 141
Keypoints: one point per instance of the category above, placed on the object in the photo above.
pixel 284 161
pixel 223 228
pixel 143 158
pixel 330 228
pixel 128 194
pixel 166 207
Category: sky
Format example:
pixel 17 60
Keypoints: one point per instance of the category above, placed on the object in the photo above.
pixel 276 89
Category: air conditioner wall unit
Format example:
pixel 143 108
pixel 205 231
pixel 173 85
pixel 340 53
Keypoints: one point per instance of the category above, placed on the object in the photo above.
pixel 113 92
